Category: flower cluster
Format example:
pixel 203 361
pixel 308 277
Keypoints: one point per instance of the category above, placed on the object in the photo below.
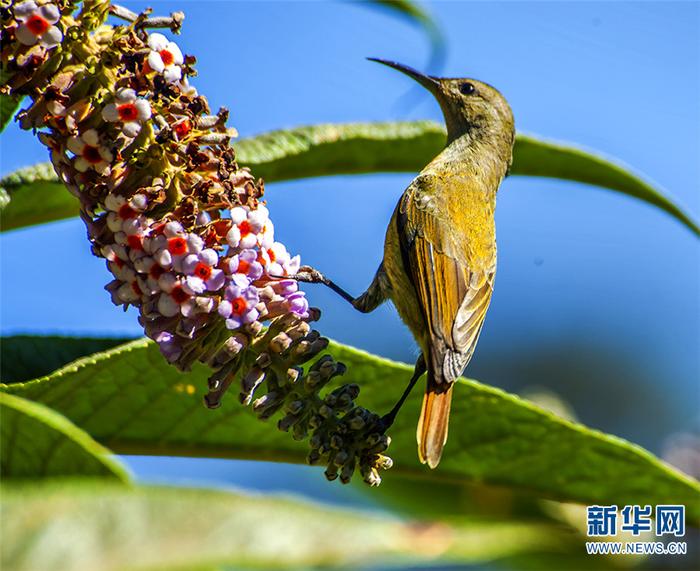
pixel 181 225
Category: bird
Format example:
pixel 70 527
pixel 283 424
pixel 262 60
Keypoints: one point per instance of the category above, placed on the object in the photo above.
pixel 439 262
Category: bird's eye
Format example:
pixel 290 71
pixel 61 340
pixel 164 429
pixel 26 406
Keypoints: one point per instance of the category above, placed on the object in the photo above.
pixel 466 88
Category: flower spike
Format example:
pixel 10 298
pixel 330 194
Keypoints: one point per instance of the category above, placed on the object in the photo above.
pixel 180 224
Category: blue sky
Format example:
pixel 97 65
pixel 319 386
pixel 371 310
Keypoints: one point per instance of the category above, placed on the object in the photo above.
pixel 597 294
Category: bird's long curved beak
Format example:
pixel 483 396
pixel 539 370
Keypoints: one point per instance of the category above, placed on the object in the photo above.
pixel 430 83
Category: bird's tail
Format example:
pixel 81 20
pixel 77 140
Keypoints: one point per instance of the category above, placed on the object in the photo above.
pixel 433 422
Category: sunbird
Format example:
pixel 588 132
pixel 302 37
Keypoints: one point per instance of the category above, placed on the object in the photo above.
pixel 440 248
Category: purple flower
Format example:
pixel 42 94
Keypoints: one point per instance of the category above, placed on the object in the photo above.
pixel 285 288
pixel 201 271
pixel 170 346
pixel 238 305
pixel 292 266
pixel 246 263
pixel 297 303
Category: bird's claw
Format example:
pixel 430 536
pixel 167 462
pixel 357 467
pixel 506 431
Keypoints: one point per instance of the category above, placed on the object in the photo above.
pixel 386 421
pixel 309 275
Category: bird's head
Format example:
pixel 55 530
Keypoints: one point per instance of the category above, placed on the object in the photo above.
pixel 469 105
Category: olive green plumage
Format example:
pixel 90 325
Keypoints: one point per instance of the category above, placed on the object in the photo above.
pixel 440 250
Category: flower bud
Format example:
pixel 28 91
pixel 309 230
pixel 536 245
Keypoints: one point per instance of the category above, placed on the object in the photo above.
pixel 263 360
pixel 347 472
pixel 286 422
pixel 295 407
pixel 250 382
pixel 294 374
pixel 299 330
pixel 280 342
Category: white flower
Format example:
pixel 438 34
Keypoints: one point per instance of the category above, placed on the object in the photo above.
pixel 152 274
pixel 165 57
pixel 133 233
pixel 37 24
pixel 120 211
pixel 170 248
pixel 178 299
pixel 187 89
pixel 266 238
pixel 203 218
pixel 278 259
pixel 117 258
pixel 89 153
pixel 174 299
pixel 131 110
pixel 130 291
pixel 246 227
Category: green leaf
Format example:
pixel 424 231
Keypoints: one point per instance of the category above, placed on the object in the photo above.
pixel 112 528
pixel 351 148
pixel 25 357
pixel 8 104
pixel 536 157
pixel 8 107
pixel 129 399
pixel 33 195
pixel 355 148
pixel 36 442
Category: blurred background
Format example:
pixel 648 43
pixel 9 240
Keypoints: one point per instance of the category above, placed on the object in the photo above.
pixel 597 296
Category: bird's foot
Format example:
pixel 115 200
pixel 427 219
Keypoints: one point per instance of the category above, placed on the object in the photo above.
pixel 309 275
pixel 387 420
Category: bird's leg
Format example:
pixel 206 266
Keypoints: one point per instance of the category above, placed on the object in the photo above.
pixel 365 303
pixel 420 368
pixel 368 301
pixel 311 275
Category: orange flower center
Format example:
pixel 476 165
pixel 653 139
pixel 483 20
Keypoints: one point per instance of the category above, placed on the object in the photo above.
pixel 134 241
pixel 167 57
pixel 37 25
pixel 179 294
pixel 244 228
pixel 202 271
pixel 92 154
pixel 128 112
pixel 156 271
pixel 126 212
pixel 239 305
pixel 243 266
pixel 177 246
pixel 182 128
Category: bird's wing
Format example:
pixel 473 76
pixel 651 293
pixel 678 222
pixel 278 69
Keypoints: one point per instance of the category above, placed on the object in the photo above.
pixel 453 285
